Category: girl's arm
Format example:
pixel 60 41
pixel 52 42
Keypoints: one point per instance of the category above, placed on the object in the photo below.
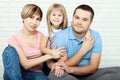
pixel 55 52
pixel 44 45
pixel 63 57
pixel 45 48
pixel 51 63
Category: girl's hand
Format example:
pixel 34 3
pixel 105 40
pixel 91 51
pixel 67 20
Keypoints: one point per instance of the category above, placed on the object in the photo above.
pixel 88 42
pixel 57 69
pixel 64 67
pixel 57 52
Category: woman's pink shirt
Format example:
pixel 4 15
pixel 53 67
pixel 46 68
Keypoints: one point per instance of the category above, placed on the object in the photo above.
pixel 30 51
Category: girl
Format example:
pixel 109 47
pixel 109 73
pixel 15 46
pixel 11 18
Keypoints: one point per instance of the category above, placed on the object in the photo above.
pixel 56 21
pixel 26 43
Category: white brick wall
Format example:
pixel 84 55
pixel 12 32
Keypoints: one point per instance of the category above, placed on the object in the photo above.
pixel 106 21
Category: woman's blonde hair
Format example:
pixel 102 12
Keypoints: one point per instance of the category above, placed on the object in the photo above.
pixel 31 9
pixel 63 11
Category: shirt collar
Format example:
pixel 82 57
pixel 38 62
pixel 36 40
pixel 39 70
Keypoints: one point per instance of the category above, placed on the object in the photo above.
pixel 72 36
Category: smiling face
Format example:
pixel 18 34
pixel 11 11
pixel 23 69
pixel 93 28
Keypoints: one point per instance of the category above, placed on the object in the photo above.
pixel 56 18
pixel 31 15
pixel 31 23
pixel 81 21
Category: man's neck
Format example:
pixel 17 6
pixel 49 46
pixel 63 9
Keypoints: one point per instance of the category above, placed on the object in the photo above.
pixel 79 35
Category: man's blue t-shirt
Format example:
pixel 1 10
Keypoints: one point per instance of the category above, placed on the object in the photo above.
pixel 67 39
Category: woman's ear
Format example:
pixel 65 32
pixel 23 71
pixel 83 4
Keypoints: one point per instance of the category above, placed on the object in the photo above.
pixel 23 20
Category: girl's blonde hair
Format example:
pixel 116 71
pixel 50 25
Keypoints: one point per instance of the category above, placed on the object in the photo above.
pixel 63 11
pixel 30 9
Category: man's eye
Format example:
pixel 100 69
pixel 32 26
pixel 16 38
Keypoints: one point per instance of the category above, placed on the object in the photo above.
pixel 85 19
pixel 76 17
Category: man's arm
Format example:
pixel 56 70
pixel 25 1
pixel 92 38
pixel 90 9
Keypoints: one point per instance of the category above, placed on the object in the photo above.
pixel 86 46
pixel 84 70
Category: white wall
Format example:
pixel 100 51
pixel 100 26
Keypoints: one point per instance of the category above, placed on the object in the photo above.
pixel 106 21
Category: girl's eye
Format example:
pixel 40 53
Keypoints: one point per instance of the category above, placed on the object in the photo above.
pixel 53 15
pixel 60 15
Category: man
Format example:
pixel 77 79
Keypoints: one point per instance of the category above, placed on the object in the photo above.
pixel 80 61
pixel 83 57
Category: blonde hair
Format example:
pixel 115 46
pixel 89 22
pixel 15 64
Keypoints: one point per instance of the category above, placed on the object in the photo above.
pixel 31 9
pixel 63 11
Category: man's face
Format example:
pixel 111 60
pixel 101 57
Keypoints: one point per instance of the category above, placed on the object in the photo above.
pixel 81 21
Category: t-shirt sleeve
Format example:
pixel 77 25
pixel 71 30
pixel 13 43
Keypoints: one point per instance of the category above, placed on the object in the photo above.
pixel 13 41
pixel 97 48
pixel 58 41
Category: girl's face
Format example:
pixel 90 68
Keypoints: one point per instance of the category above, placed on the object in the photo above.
pixel 56 18
pixel 31 23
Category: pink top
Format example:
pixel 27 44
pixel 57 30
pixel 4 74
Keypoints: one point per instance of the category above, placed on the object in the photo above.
pixel 30 51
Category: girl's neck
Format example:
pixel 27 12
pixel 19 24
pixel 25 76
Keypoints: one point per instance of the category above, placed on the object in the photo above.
pixel 55 27
pixel 55 30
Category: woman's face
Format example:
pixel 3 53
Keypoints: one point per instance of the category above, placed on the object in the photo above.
pixel 31 23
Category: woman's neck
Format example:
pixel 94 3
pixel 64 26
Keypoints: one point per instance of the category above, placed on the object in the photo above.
pixel 28 33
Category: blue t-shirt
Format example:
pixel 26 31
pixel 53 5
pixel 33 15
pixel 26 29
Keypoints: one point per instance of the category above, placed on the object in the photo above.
pixel 67 39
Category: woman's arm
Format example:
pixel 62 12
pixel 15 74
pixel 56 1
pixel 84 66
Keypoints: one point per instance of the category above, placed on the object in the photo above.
pixel 28 63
